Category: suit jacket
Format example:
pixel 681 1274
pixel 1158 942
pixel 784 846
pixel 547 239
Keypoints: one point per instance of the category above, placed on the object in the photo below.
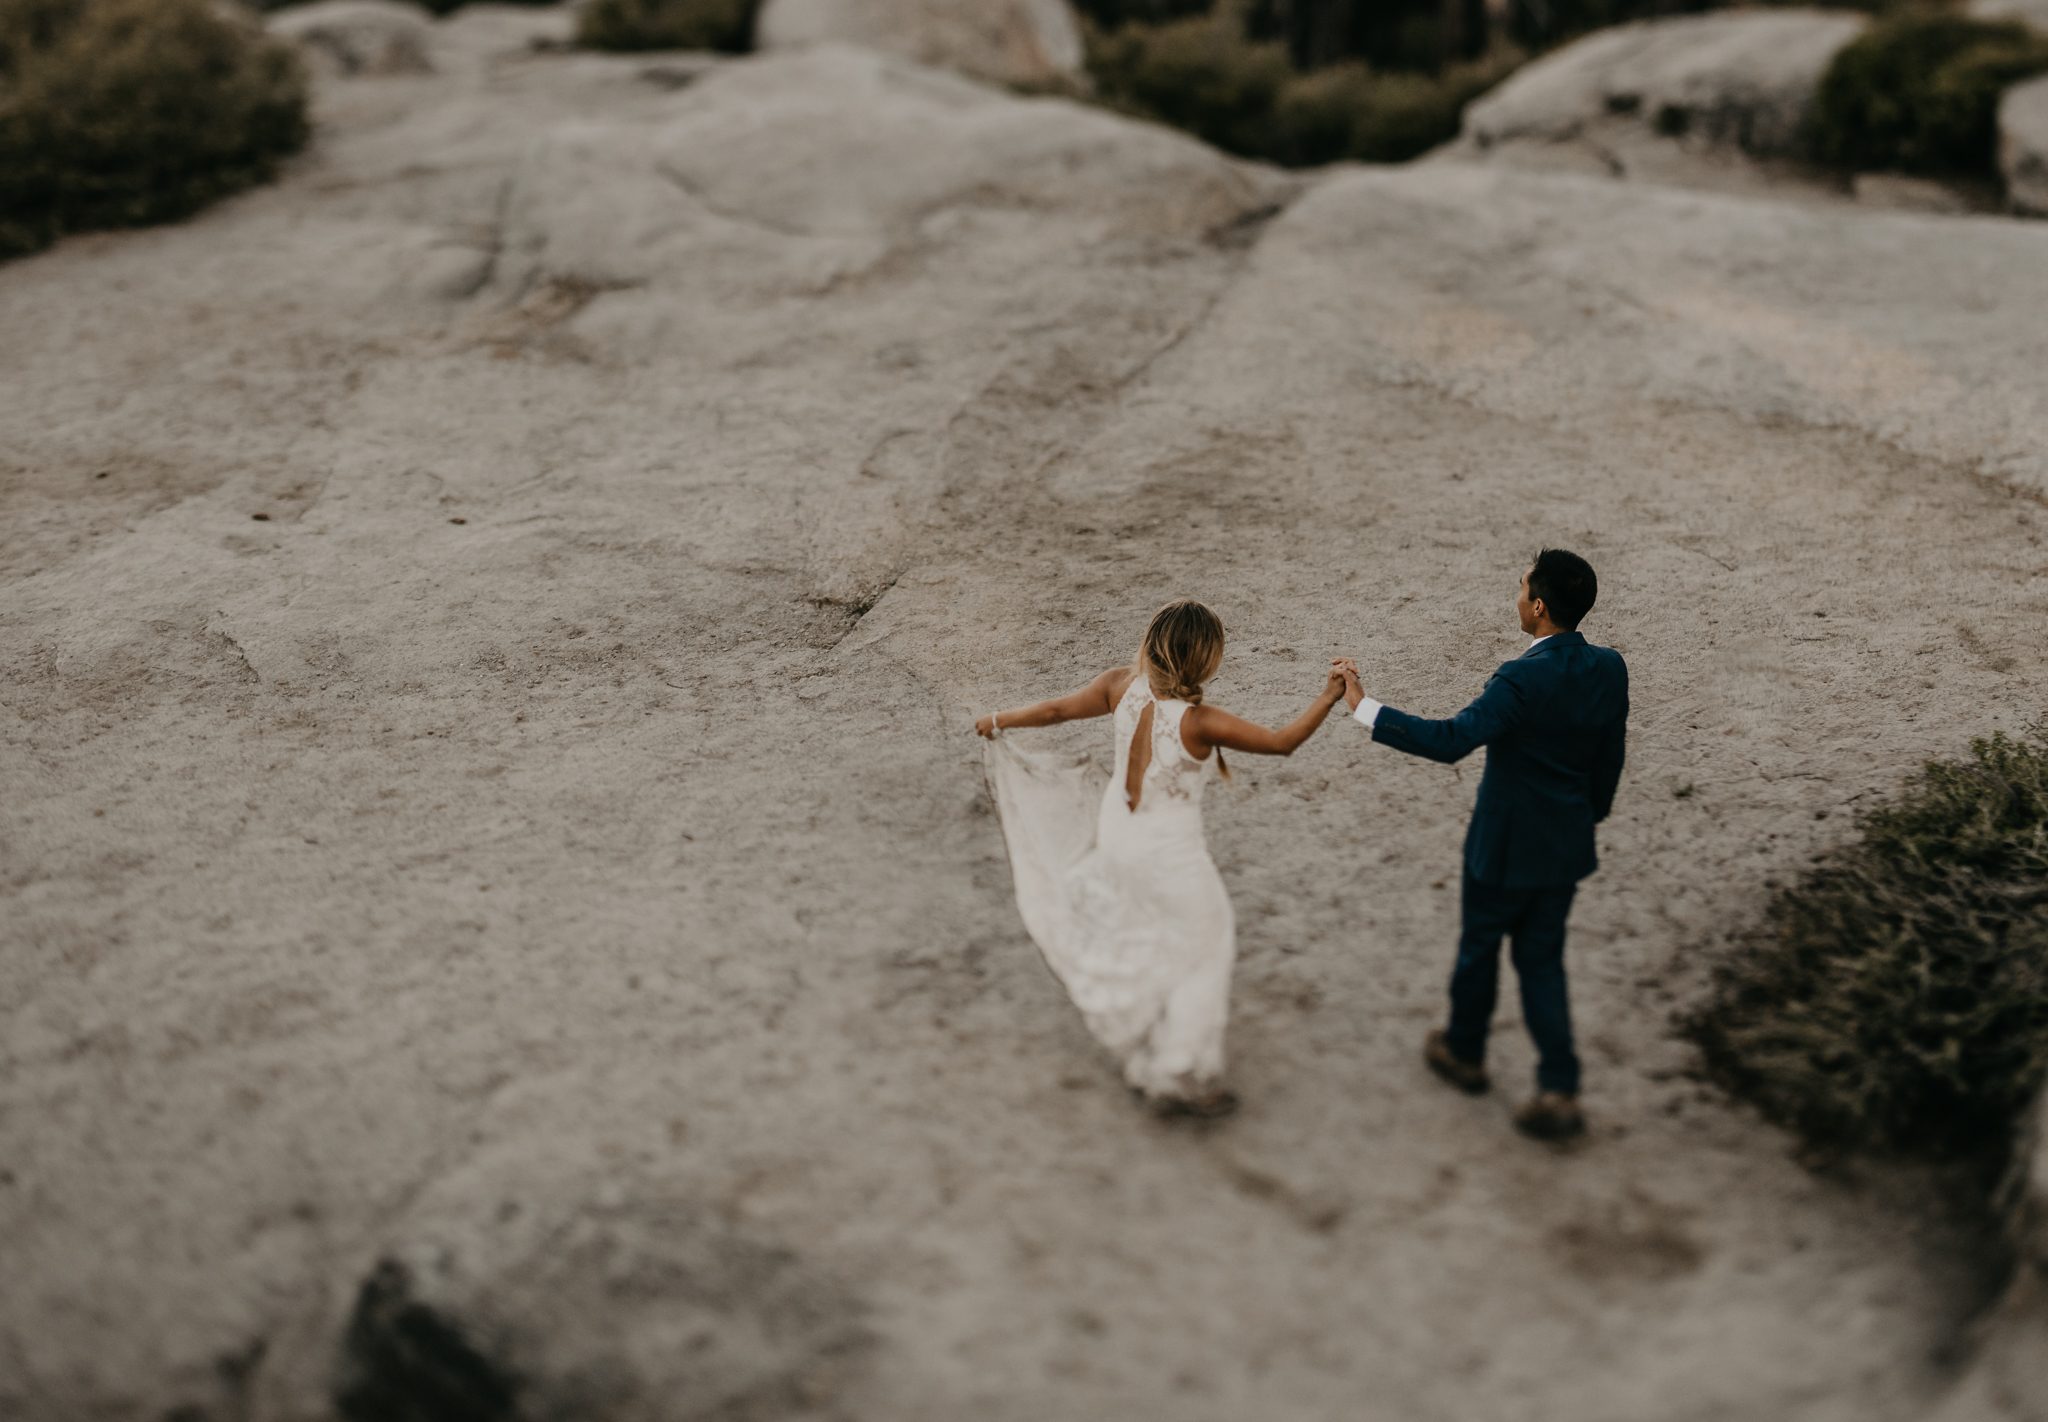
pixel 1553 721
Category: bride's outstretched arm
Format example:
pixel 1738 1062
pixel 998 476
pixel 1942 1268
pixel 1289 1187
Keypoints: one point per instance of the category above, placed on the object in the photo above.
pixel 1213 726
pixel 1097 698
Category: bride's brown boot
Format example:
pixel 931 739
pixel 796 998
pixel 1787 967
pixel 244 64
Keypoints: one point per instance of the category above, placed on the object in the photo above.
pixel 1468 1078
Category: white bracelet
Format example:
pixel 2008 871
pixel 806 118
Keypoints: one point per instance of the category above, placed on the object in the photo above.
pixel 995 720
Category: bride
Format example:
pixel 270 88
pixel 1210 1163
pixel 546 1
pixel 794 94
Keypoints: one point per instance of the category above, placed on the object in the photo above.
pixel 1121 896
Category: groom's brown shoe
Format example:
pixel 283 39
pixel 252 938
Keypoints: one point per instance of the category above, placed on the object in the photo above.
pixel 1550 1116
pixel 1468 1078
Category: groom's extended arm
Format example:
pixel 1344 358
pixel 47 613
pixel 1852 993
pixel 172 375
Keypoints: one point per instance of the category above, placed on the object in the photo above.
pixel 1497 710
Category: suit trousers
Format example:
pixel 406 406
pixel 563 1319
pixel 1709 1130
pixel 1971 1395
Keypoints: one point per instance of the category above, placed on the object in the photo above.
pixel 1534 920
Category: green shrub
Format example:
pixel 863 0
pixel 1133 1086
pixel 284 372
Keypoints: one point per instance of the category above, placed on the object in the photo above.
pixel 1899 995
pixel 1408 35
pixel 668 24
pixel 1348 111
pixel 1920 92
pixel 1242 95
pixel 1112 14
pixel 1198 74
pixel 117 113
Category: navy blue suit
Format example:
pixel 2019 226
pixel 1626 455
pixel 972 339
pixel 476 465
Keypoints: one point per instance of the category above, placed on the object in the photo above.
pixel 1554 722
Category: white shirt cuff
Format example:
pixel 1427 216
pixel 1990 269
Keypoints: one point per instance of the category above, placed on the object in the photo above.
pixel 1367 713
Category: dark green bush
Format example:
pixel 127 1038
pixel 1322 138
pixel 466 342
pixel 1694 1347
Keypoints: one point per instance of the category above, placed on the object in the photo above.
pixel 1386 34
pixel 1242 95
pixel 1198 74
pixel 1348 111
pixel 668 24
pixel 1920 92
pixel 1114 14
pixel 1542 23
pixel 1899 995
pixel 116 113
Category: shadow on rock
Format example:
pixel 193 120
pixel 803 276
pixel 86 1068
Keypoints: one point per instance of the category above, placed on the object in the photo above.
pixel 406 1363
pixel 642 1310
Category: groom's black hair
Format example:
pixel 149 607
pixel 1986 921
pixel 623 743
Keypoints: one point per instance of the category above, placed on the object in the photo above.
pixel 1566 584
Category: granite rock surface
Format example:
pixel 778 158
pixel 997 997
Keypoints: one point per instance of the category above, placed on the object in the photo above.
pixel 494 850
pixel 351 37
pixel 1744 78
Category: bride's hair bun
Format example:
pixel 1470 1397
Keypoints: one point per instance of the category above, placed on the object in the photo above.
pixel 1182 649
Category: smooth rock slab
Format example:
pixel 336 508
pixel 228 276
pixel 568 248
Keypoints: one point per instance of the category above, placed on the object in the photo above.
pixel 2023 146
pixel 1901 192
pixel 1745 78
pixel 360 37
pixel 1007 41
pixel 750 174
pixel 2033 13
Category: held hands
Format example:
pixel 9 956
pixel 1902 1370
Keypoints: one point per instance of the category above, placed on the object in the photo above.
pixel 1345 670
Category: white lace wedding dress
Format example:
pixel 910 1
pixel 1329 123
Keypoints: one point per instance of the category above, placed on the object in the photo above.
pixel 1126 905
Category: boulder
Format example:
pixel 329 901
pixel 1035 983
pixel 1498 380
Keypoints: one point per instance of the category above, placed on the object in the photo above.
pixel 360 37
pixel 652 1310
pixel 2030 12
pixel 2023 146
pixel 1007 41
pixel 1736 77
pixel 752 174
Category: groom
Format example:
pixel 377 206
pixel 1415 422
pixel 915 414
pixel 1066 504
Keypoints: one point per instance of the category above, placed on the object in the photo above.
pixel 1553 721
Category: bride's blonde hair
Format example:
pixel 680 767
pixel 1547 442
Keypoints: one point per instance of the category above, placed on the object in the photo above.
pixel 1182 648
